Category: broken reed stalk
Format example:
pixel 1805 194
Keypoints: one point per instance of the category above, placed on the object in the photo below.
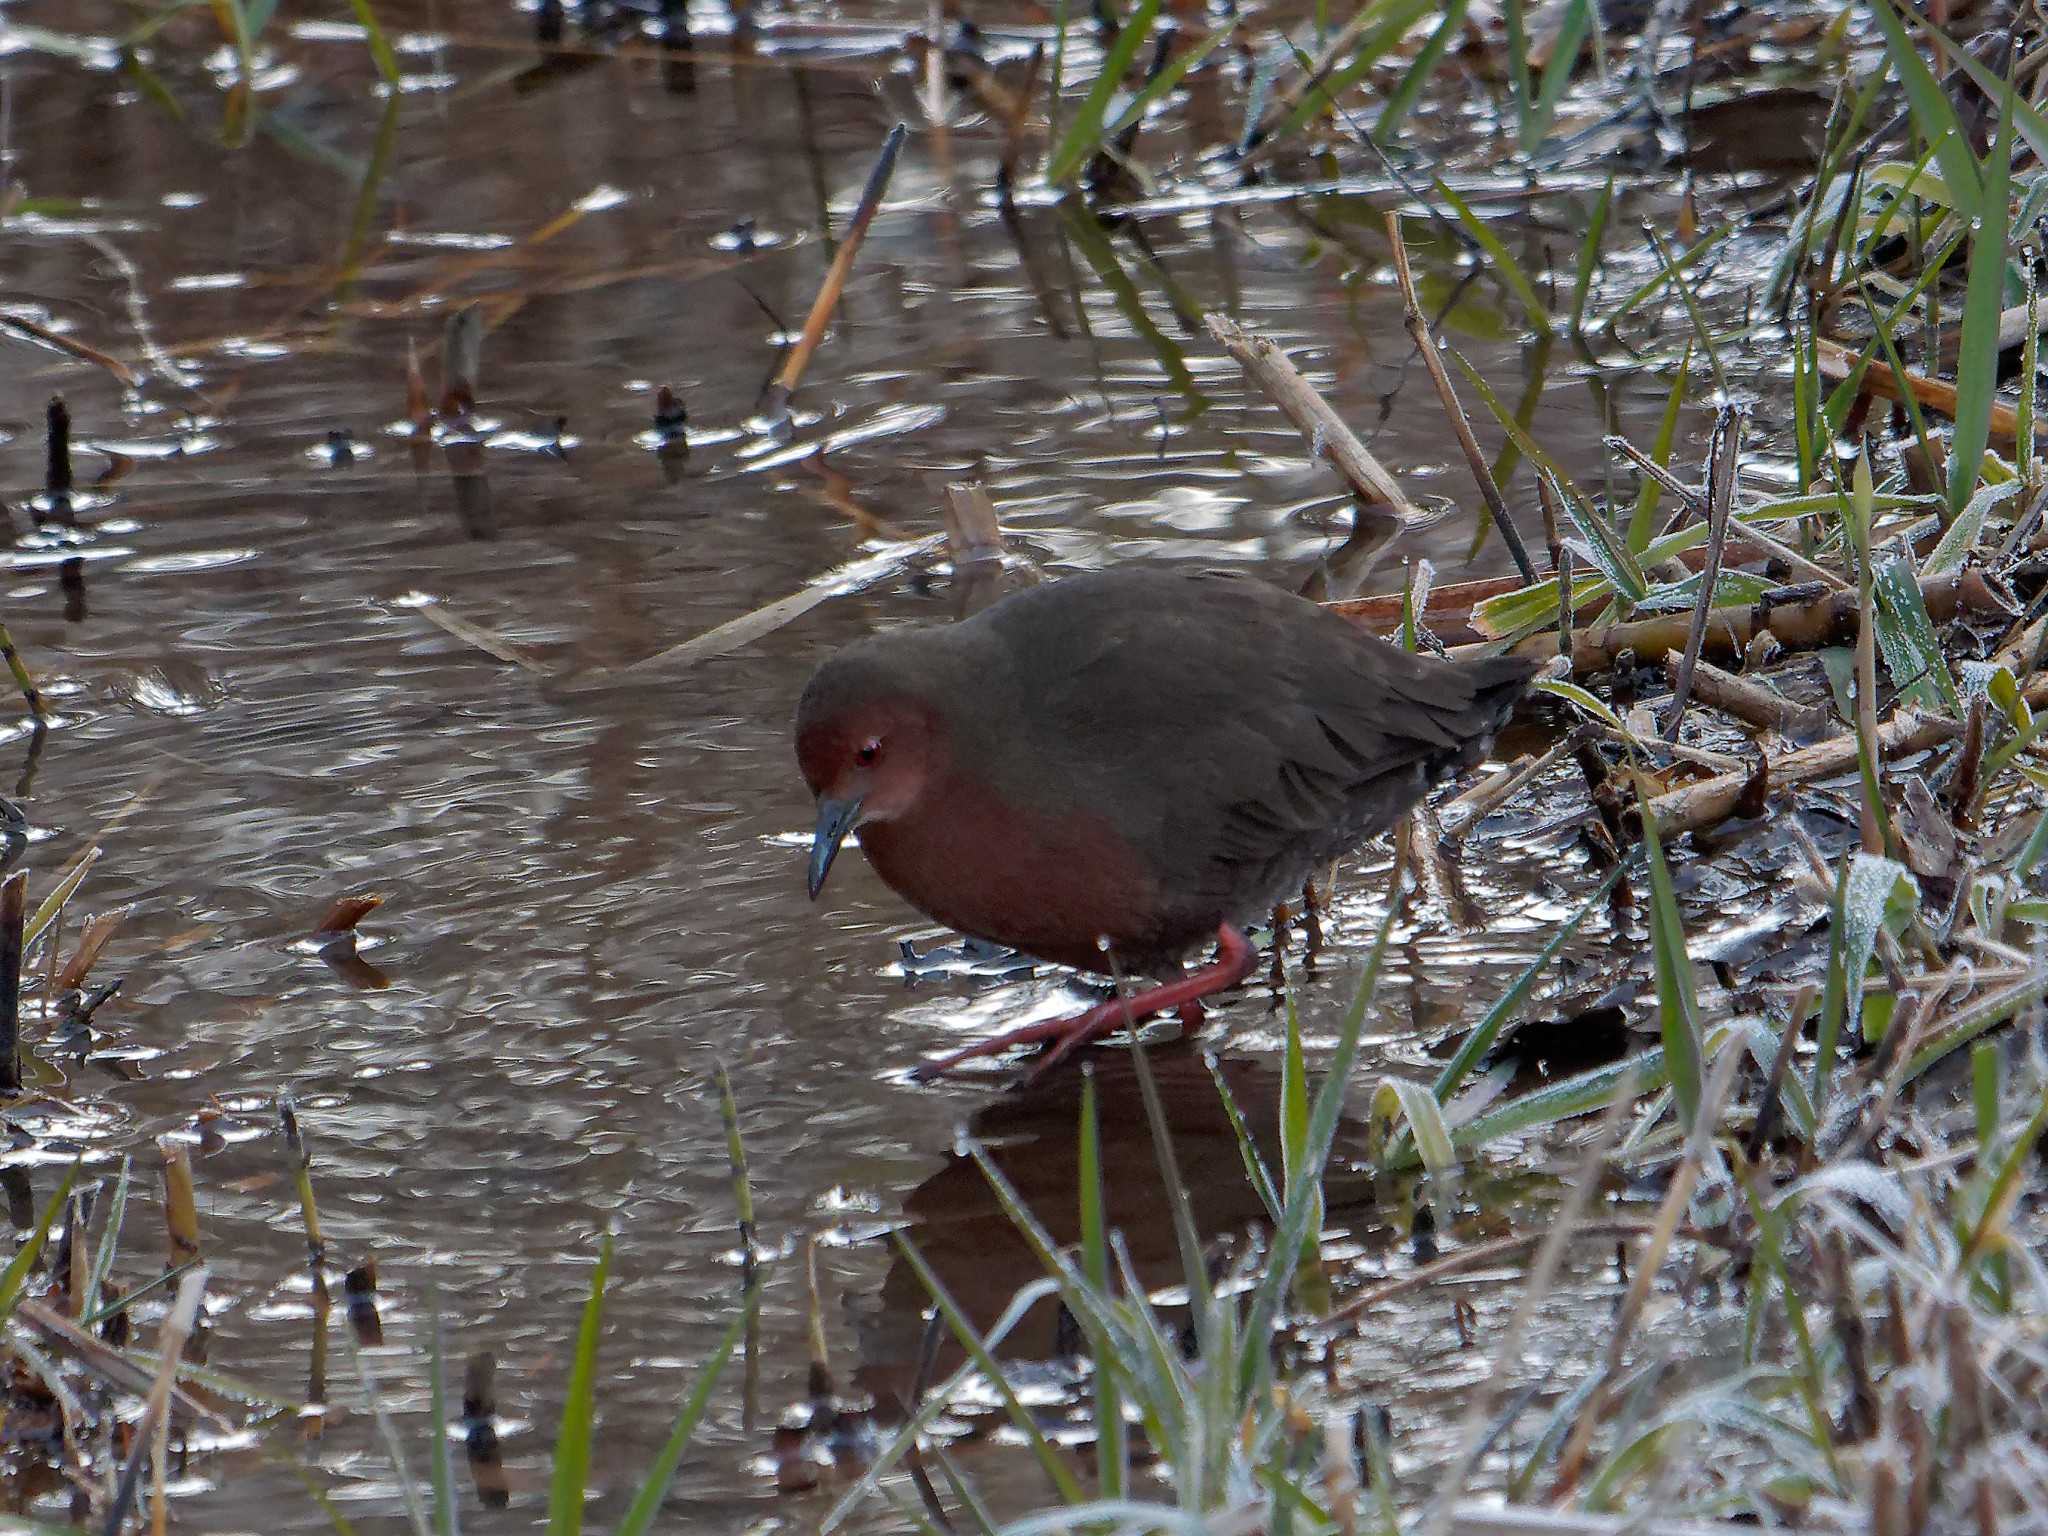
pixel 1461 815
pixel 1329 438
pixel 1832 618
pixel 13 915
pixel 814 1316
pixel 31 695
pixel 92 942
pixel 1714 800
pixel 462 357
pixel 1720 504
pixel 301 1159
pixel 181 1206
pixel 777 400
pixel 480 1430
pixel 1838 362
pixel 57 465
pixel 1425 345
pixel 736 1155
pixel 974 539
pixel 1747 699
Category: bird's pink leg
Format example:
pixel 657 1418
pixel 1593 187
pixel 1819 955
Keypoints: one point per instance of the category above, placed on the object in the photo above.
pixel 1234 960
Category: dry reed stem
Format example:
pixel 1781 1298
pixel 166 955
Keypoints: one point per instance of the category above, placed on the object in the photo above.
pixel 1837 362
pixel 1268 367
pixel 1831 619
pixel 74 348
pixel 181 1207
pixel 1714 800
pixel 485 640
pixel 1458 817
pixel 1432 359
pixel 835 276
pixel 1477 1256
pixel 1749 701
pixel 112 1366
pixel 734 633
pixel 92 942
pixel 149 1428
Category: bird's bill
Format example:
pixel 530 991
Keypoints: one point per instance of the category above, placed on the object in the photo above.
pixel 836 818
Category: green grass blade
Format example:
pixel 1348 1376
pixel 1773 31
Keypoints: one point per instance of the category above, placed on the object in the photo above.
pixel 572 1444
pixel 1655 284
pixel 110 1242
pixel 1426 1131
pixel 46 911
pixel 1557 70
pixel 1976 1019
pixel 1983 298
pixel 380 46
pixel 1028 1296
pixel 1086 134
pixel 1608 553
pixel 1194 1263
pixel 1056 1470
pixel 1905 633
pixel 1960 538
pixel 1304 1192
pixel 1872 891
pixel 1836 411
pixel 1168 78
pixel 1931 109
pixel 1567 1099
pixel 1677 1008
pixel 1504 264
pixel 23 1264
pixel 1399 17
pixel 1589 248
pixel 2032 126
pixel 1112 1461
pixel 646 1506
pixel 2030 378
pixel 1642 521
pixel 1475 1045
pixel 1248 1149
pixel 1521 85
pixel 1431 54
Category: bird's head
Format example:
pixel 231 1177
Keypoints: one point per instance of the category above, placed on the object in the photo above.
pixel 868 743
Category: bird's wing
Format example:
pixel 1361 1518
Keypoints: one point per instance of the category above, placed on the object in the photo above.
pixel 1237 734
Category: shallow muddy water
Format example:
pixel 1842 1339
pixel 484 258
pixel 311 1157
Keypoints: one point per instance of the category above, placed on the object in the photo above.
pixel 593 887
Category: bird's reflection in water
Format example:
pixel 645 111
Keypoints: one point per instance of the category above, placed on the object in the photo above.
pixel 1033 1137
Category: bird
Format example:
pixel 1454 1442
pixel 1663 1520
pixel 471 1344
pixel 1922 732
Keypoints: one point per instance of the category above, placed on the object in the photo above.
pixel 1109 770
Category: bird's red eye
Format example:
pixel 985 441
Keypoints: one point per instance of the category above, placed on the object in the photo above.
pixel 869 751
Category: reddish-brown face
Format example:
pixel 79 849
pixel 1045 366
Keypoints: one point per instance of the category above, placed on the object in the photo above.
pixel 865 760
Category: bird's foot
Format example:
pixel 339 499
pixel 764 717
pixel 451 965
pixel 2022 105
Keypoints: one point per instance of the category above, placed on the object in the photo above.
pixel 1234 960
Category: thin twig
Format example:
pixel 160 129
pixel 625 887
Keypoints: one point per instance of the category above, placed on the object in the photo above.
pixel 1720 503
pixel 1425 343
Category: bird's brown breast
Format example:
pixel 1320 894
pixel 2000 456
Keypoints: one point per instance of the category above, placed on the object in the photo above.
pixel 1052 885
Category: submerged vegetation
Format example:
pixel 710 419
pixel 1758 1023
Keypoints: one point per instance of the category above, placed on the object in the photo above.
pixel 1785 1127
